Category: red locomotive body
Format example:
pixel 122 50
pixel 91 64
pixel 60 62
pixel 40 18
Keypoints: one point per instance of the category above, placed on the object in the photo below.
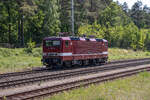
pixel 58 51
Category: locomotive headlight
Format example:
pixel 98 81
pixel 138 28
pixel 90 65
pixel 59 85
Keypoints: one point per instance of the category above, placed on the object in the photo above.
pixel 44 54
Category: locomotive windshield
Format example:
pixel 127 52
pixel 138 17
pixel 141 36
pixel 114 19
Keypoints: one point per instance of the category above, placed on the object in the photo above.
pixel 51 43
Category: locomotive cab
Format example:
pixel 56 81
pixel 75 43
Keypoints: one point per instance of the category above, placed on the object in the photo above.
pixel 56 50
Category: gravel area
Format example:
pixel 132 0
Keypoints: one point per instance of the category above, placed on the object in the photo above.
pixel 57 82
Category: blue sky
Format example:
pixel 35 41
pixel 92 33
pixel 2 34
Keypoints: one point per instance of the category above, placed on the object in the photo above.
pixel 131 2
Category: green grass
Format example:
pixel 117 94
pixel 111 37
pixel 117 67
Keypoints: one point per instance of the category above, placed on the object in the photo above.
pixel 117 54
pixel 19 59
pixel 132 88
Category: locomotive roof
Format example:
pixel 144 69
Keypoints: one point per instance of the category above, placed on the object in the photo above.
pixel 77 39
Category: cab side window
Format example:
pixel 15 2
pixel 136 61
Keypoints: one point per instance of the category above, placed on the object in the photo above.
pixel 67 43
pixel 106 44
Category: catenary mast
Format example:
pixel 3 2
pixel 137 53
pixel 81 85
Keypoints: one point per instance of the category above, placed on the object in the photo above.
pixel 72 16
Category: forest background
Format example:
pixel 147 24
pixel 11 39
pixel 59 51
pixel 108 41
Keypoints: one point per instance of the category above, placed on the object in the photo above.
pixel 29 21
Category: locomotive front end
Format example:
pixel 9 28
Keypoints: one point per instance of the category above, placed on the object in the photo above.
pixel 51 51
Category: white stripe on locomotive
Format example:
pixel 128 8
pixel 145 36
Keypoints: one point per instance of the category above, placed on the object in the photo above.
pixel 70 54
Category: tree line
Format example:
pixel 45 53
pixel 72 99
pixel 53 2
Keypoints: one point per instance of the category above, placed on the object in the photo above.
pixel 22 21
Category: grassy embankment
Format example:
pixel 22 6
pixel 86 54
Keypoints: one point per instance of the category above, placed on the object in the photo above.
pixel 120 54
pixel 132 88
pixel 18 59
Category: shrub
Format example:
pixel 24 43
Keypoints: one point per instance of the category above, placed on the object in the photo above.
pixel 36 54
pixel 6 52
pixel 30 46
pixel 147 53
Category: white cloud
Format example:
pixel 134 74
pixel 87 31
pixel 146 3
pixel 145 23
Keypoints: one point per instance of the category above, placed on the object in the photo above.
pixel 131 2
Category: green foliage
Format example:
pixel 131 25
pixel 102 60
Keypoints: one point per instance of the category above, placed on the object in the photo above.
pixel 113 15
pixel 5 53
pixel 137 14
pixel 51 20
pixel 86 11
pixel 8 21
pixel 30 46
pixel 34 26
pixel 37 52
pixel 115 26
pixel 36 19
pixel 94 29
pixel 39 19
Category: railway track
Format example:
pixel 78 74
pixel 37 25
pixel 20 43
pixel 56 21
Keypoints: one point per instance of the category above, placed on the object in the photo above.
pixel 69 84
pixel 39 70
pixel 13 74
pixel 70 73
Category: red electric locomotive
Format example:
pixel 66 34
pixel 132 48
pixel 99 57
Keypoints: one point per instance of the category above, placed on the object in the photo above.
pixel 68 51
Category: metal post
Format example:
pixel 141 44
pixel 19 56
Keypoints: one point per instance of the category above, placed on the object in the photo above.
pixel 22 31
pixel 72 16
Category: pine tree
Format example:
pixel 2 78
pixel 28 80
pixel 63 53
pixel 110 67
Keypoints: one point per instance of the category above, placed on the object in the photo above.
pixel 137 14
pixel 8 19
pixel 26 8
pixel 51 20
pixel 146 11
pixel 125 7
pixel 86 11
pixel 65 15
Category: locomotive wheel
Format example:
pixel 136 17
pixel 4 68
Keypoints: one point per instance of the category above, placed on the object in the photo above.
pixel 59 66
pixel 80 63
pixel 84 63
pixel 53 67
pixel 97 63
pixel 67 64
pixel 49 66
pixel 94 62
pixel 104 60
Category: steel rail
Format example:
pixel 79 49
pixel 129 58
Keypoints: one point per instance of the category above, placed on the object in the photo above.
pixel 69 74
pixel 28 95
pixel 21 73
pixel 41 69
